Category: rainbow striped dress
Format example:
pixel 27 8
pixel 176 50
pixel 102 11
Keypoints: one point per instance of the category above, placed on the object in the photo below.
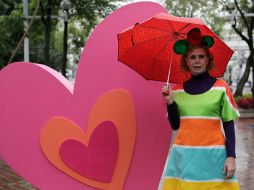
pixel 198 154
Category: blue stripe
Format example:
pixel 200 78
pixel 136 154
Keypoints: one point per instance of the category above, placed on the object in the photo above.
pixel 196 164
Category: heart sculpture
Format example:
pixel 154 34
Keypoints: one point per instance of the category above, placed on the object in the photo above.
pixel 42 113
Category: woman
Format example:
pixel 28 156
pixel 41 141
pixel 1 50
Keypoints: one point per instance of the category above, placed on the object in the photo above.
pixel 202 157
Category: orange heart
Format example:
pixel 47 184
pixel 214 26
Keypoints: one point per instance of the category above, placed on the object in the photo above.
pixel 116 106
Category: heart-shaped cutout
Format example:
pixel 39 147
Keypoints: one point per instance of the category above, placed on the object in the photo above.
pixel 113 107
pixel 96 160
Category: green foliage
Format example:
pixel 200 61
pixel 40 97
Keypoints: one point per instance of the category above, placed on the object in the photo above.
pixel 83 16
pixel 208 11
pixel 6 7
pixel 11 30
pixel 237 98
pixel 245 101
pixel 88 14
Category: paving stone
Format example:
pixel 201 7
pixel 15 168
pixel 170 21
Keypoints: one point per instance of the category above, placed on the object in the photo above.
pixel 9 180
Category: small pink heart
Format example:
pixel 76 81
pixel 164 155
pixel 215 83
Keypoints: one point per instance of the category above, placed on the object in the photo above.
pixel 96 160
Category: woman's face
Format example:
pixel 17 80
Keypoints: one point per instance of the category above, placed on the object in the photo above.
pixel 197 61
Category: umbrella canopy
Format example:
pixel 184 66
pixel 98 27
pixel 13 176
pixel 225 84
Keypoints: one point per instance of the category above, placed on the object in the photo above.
pixel 148 48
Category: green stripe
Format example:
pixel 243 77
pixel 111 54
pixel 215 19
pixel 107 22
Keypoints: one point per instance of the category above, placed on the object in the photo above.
pixel 199 103
pixel 227 112
pixel 212 103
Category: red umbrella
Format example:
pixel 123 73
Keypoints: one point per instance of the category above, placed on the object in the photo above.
pixel 148 48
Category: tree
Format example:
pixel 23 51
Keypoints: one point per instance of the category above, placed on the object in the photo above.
pixel 45 32
pixel 47 8
pixel 6 7
pixel 208 11
pixel 11 29
pixel 85 11
pixel 243 26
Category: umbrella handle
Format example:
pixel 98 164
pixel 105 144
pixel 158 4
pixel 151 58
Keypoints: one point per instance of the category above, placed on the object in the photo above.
pixel 170 64
pixel 166 91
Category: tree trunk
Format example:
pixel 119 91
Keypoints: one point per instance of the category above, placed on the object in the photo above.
pixel 252 65
pixel 47 28
pixel 65 46
pixel 240 85
pixel 252 88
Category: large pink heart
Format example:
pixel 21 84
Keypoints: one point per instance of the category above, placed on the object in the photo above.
pixel 32 94
pixel 96 160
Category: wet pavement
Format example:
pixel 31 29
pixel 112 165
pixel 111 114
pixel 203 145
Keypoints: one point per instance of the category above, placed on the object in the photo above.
pixel 244 150
pixel 245 153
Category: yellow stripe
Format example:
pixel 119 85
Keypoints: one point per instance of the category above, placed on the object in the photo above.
pixel 176 184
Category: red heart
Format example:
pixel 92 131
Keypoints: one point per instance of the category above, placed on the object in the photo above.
pixel 97 160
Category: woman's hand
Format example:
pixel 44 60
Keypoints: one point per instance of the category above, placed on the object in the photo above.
pixel 229 167
pixel 168 94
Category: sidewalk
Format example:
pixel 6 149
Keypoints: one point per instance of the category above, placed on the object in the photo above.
pixel 244 150
pixel 245 153
pixel 10 181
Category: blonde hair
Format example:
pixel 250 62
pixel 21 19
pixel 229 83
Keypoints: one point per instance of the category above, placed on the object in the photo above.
pixel 191 48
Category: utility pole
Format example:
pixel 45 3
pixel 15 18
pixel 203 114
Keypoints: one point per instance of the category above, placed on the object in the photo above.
pixel 65 5
pixel 26 40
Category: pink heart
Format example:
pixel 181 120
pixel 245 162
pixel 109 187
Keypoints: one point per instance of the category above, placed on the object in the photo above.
pixel 97 160
pixel 33 94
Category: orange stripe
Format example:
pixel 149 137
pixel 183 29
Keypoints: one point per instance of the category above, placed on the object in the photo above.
pixel 200 132
pixel 178 87
pixel 222 83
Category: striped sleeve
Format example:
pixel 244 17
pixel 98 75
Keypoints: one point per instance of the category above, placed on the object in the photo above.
pixel 229 109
